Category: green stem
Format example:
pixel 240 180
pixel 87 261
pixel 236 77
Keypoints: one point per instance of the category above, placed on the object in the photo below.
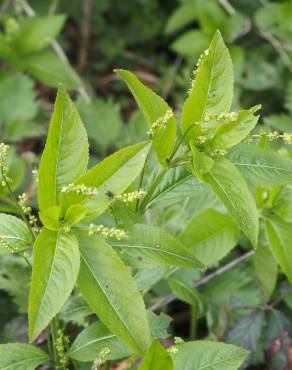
pixel 23 216
pixel 151 190
pixel 54 351
pixel 180 141
pixel 107 365
pixel 49 343
pixel 141 179
pixel 193 323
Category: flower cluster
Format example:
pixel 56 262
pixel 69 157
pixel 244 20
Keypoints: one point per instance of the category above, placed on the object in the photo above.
pixel 62 342
pixel 3 166
pixel 172 350
pixel 218 152
pixel 178 340
pixel 80 189
pixel 221 117
pixel 271 136
pixel 101 357
pixel 131 197
pixel 4 243
pixel 107 232
pixel 27 210
pixel 160 122
pixel 196 69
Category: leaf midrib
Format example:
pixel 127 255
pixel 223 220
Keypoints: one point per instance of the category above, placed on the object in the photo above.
pixel 262 166
pixel 59 149
pixel 109 300
pixel 87 344
pixel 154 249
pixel 22 362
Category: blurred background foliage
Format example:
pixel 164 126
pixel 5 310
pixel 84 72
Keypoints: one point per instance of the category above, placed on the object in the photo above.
pixel 79 43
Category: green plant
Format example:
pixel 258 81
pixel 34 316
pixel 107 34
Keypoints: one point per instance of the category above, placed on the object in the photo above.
pixel 92 237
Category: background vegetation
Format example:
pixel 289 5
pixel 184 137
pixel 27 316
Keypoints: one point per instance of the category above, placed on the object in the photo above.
pixel 249 305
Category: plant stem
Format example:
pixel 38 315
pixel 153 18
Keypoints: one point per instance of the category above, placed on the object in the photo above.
pixel 107 365
pixel 53 334
pixel 151 190
pixel 141 179
pixel 13 198
pixel 172 297
pixel 193 324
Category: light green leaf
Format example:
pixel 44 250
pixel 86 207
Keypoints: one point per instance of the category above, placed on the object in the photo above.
pixel 149 276
pixel 65 155
pixel 182 16
pixel 260 167
pixel 212 89
pixel 154 108
pixel 48 68
pixel 55 270
pixel 201 163
pixel 230 187
pixel 75 310
pixel 20 356
pixel 92 340
pixel 233 133
pixel 159 324
pixel 51 218
pixel 149 245
pixel 177 184
pixel 188 295
pixel 36 33
pixel 266 271
pixel 114 174
pixel 14 235
pixel 18 103
pixel 74 214
pixel 191 43
pixel 157 358
pixel 111 292
pixel 211 234
pixel 208 355
pixel 103 122
pixel 279 235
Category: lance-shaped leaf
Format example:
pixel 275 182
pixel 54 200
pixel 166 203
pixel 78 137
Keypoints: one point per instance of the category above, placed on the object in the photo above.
pixel 149 245
pixel 111 177
pixel 20 356
pixel 211 234
pixel 207 355
pixel 189 295
pixel 279 235
pixel 14 235
pixel 65 155
pixel 156 112
pixel 93 340
pixel 266 271
pixel 55 271
pixel 212 89
pixel 111 292
pixel 261 167
pixel 230 134
pixel 157 358
pixel 231 188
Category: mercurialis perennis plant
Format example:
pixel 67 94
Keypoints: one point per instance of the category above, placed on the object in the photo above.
pixel 95 249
